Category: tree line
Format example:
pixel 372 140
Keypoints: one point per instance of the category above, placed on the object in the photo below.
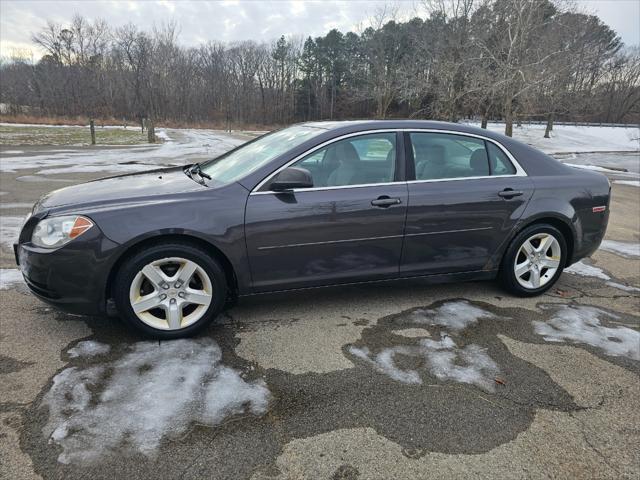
pixel 509 60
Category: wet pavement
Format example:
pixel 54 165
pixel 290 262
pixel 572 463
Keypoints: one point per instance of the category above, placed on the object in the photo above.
pixel 399 380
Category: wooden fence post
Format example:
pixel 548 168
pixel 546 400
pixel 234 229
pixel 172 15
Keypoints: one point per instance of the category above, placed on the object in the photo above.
pixel 92 127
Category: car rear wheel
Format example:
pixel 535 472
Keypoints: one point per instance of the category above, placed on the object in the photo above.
pixel 534 260
pixel 170 290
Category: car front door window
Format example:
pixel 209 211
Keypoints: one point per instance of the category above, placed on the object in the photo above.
pixel 361 160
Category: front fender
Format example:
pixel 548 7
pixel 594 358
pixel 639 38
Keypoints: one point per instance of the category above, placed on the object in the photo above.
pixel 214 218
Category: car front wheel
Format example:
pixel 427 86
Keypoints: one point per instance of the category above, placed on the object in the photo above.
pixel 170 290
pixel 534 260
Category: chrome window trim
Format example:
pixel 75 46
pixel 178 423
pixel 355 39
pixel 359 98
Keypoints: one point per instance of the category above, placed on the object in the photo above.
pixel 520 172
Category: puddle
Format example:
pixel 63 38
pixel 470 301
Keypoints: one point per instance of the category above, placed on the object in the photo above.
pixel 443 359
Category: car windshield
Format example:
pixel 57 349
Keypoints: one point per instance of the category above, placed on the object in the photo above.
pixel 238 163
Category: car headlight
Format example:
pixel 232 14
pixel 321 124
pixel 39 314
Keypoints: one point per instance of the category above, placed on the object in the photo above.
pixel 56 231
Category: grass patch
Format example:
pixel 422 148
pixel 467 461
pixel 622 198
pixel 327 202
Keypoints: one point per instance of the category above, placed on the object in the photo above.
pixel 17 135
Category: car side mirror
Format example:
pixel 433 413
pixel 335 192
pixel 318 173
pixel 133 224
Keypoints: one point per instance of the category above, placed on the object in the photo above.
pixel 290 178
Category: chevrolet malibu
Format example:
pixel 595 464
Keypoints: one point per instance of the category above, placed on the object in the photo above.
pixel 312 205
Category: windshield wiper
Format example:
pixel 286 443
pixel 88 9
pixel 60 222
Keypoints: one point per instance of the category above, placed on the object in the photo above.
pixel 195 168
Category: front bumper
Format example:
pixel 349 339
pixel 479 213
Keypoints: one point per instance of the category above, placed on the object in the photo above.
pixel 72 278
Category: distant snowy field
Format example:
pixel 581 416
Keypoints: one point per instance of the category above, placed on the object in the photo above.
pixel 572 139
pixel 180 147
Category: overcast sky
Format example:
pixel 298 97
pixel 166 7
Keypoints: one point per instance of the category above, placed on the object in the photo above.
pixel 232 20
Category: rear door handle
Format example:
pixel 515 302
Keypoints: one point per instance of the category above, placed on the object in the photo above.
pixel 385 202
pixel 510 193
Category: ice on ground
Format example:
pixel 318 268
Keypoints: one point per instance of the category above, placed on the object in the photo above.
pixel 88 348
pixel 585 270
pixel 38 179
pixel 7 206
pixel 153 391
pixel 412 332
pixel 581 324
pixel 624 249
pixel 443 359
pixel 632 183
pixel 455 315
pixel 10 230
pixel 10 277
pixel 115 168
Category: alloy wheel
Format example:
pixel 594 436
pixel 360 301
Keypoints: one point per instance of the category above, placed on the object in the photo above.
pixel 170 293
pixel 537 261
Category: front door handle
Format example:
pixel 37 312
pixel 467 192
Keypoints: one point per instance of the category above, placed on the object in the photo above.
pixel 510 193
pixel 385 201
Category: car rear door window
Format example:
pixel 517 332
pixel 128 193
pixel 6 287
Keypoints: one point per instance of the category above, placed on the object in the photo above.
pixel 440 156
pixel 500 164
pixel 359 160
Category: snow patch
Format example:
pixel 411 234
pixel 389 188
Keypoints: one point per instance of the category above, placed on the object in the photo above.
pixel 37 179
pixel 88 348
pixel 164 136
pixel 591 167
pixel 7 206
pixel 586 270
pixel 12 152
pixel 624 249
pixel 153 391
pixel 572 138
pixel 114 168
pixel 187 145
pixel 10 277
pixel 10 230
pixel 632 183
pixel 580 324
pixel 443 359
pixel 580 268
pixel 412 332
pixel 454 315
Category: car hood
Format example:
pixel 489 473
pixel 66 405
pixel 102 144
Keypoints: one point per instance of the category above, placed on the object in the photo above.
pixel 122 188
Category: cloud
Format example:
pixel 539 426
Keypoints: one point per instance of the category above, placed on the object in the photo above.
pixel 235 20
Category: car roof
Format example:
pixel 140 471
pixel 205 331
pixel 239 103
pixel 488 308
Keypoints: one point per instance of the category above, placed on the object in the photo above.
pixel 352 126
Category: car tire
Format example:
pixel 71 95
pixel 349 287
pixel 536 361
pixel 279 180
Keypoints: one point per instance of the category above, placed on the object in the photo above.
pixel 526 269
pixel 170 290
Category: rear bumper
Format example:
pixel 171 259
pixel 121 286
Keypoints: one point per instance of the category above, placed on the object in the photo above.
pixel 591 230
pixel 72 278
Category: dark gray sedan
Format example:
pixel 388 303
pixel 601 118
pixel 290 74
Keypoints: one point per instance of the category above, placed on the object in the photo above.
pixel 312 205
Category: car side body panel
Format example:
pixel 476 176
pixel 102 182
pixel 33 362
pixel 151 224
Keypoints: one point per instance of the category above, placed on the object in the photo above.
pixel 456 226
pixel 311 238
